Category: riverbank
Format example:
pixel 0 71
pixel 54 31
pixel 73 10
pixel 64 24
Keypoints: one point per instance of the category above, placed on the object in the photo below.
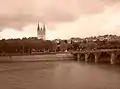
pixel 21 54
pixel 33 53
pixel 37 57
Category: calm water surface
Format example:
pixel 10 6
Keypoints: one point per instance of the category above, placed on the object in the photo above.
pixel 59 75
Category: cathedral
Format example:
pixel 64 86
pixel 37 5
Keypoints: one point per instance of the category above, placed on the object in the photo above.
pixel 41 32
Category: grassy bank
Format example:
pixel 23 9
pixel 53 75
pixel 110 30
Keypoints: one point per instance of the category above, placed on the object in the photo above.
pixel 34 53
pixel 36 57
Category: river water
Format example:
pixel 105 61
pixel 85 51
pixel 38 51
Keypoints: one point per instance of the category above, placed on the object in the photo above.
pixel 59 75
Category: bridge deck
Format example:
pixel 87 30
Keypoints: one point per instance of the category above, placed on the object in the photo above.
pixel 94 51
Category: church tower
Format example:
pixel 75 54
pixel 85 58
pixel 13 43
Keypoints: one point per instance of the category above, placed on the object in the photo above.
pixel 41 32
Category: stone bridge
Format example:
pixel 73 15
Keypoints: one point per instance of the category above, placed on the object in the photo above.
pixel 113 55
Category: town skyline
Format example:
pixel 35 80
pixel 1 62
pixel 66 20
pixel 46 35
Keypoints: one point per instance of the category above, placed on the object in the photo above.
pixel 47 35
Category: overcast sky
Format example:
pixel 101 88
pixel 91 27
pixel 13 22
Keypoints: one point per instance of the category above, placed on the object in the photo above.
pixel 63 18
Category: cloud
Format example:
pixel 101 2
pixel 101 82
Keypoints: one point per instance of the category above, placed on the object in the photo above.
pixel 18 13
pixel 110 2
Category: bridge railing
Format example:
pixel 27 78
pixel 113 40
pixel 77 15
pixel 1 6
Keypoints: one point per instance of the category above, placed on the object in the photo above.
pixel 103 50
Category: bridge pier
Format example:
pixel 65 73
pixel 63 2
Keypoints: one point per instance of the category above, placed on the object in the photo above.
pixel 86 57
pixel 113 57
pixel 96 57
pixel 78 57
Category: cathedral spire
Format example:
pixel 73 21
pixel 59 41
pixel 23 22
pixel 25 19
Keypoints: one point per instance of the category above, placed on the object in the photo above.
pixel 38 28
pixel 41 32
pixel 44 27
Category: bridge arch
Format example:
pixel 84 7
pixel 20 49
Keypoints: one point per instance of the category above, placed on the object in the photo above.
pixel 104 56
pixel 75 56
pixel 91 57
pixel 82 57
pixel 118 58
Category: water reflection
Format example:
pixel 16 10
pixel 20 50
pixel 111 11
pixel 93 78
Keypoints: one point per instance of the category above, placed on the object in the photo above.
pixel 59 75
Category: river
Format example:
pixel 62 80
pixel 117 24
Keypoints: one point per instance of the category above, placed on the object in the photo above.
pixel 59 75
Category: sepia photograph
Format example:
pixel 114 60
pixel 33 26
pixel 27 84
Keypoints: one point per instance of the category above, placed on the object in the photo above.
pixel 59 44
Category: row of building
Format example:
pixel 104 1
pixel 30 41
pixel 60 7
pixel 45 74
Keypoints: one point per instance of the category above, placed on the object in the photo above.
pixel 95 38
pixel 41 34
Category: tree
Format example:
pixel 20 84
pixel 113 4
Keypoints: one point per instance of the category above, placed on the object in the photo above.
pixel 54 46
pixel 75 45
pixel 69 46
pixel 63 46
pixel 90 45
pixel 3 45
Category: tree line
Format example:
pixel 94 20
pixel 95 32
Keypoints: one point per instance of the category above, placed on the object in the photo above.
pixel 28 45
